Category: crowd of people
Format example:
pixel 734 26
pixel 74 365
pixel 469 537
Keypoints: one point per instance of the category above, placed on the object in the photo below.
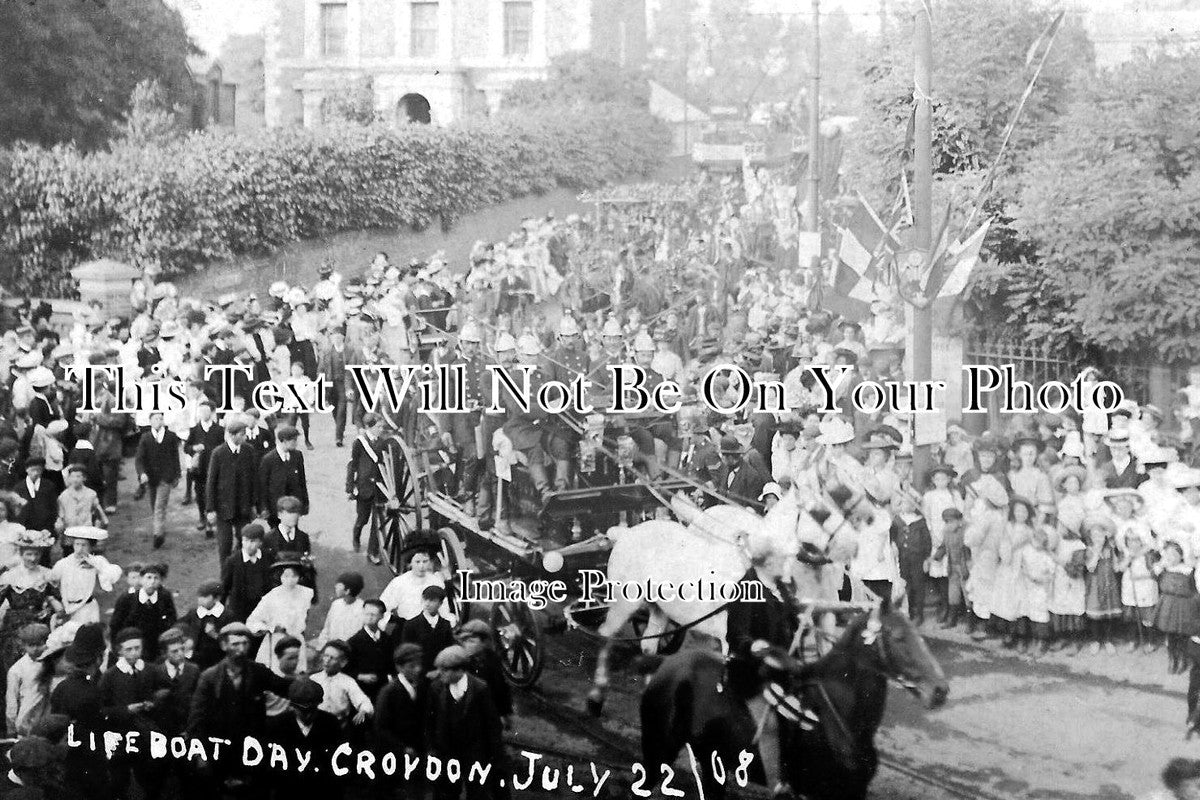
pixel 1077 531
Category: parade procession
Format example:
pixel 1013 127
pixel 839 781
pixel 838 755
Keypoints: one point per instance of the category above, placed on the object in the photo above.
pixel 623 398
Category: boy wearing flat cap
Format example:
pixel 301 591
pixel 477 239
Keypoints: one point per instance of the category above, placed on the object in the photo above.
pixel 462 723
pixel 429 629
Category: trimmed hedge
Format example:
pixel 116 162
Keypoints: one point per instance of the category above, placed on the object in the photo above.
pixel 213 195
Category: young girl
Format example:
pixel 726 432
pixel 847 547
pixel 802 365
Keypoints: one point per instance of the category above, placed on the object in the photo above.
pixel 1178 605
pixel 345 617
pixel 1103 603
pixel 283 611
pixel 1037 575
pixel 1139 591
pixel 937 499
pixel 1068 590
pixel 81 575
pixel 1071 502
pixel 982 537
pixel 1007 590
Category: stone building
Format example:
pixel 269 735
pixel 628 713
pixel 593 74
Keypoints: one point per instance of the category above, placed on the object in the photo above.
pixel 432 61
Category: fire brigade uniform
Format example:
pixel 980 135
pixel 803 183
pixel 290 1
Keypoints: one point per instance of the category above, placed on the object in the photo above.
pixel 464 428
pixel 526 428
pixel 565 364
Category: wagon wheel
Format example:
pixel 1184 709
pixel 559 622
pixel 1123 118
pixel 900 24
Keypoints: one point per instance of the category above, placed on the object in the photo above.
pixel 453 558
pixel 402 522
pixel 518 640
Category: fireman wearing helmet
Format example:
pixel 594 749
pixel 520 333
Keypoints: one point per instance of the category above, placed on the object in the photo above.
pixel 525 429
pixel 492 421
pixel 464 428
pixel 567 362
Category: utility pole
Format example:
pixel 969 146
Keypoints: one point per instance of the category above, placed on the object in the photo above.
pixel 812 219
pixel 687 55
pixel 921 340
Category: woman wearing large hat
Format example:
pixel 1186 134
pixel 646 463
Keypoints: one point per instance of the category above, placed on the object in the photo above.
pixel 402 596
pixel 283 611
pixel 81 574
pixel 29 591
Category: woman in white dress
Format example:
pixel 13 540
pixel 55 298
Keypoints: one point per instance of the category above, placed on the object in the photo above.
pixel 80 575
pixel 283 611
pixel 402 597
pixel 982 538
pixel 937 499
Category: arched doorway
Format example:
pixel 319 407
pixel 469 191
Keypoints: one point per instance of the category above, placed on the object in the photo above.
pixel 413 108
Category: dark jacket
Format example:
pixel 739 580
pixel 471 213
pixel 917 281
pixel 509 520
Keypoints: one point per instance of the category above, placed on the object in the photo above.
pixel 370 657
pixel 468 729
pixel 262 442
pixel 118 690
pixel 274 544
pixel 278 479
pixel 773 621
pixel 208 648
pixel 158 462
pixel 230 488
pixel 485 665
pixel 213 438
pixel 173 698
pixel 400 718
pixel 748 482
pixel 244 584
pixel 913 543
pixel 432 640
pixel 221 709
pixel 362 472
pixel 152 619
pixel 40 512
pixel 321 740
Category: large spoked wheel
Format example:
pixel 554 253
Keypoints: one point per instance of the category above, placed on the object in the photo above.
pixel 518 642
pixel 406 517
pixel 453 558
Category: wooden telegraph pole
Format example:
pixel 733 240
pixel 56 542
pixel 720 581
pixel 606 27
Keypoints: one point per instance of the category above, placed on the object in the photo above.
pixel 921 336
pixel 812 220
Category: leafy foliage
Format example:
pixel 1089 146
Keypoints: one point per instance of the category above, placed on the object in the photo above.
pixel 1112 205
pixel 979 73
pixel 150 118
pixel 70 67
pixel 351 101
pixel 182 203
pixel 579 79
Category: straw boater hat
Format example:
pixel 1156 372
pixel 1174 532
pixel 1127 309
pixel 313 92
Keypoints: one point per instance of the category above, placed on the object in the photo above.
pixel 1116 437
pixel 835 430
pixel 40 377
pixel 89 532
pixel 1125 491
pixel 1188 478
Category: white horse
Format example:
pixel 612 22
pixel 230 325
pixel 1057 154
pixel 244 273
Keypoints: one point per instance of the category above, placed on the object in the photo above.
pixel 711 550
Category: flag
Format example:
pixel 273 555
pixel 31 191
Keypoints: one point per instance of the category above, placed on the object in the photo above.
pixel 864 246
pixel 961 258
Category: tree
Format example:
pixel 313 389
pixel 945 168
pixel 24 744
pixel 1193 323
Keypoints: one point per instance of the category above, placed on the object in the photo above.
pixel 979 73
pixel 580 79
pixel 1112 206
pixel 151 120
pixel 352 100
pixel 69 67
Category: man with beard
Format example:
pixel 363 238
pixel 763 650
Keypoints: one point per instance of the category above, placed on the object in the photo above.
pixel 228 704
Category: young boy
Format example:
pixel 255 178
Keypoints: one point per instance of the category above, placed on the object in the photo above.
pixel 287 537
pixel 955 552
pixel 79 505
pixel 245 575
pixel 343 697
pixel 911 536
pixel 26 704
pixel 133 577
pixel 287 660
pixel 371 652
pixel 175 682
pixel 429 629
pixel 126 700
pixel 151 610
pixel 204 623
pixel 345 617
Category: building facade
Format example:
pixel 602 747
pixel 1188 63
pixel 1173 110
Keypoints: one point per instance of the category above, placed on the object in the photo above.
pixel 432 61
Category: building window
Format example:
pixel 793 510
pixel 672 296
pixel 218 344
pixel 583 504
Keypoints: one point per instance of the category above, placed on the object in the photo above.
pixel 333 30
pixel 518 27
pixel 423 37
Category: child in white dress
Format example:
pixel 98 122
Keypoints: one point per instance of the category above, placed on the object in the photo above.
pixel 283 611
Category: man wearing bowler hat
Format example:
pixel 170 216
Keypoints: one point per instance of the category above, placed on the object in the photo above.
pixel 737 478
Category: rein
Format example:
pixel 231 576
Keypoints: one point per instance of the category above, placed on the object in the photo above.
pixel 672 632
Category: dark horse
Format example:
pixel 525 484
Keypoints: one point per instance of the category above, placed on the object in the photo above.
pixel 834 758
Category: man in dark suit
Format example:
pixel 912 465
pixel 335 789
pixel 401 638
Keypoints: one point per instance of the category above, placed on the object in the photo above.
pixel 229 704
pixel 429 629
pixel 331 362
pixel 230 489
pixel 738 478
pixel 150 609
pixel 204 437
pixel 245 575
pixel 371 651
pixel 462 723
pixel 286 536
pixel 1121 470
pixel 174 682
pixel 157 464
pixel 305 728
pixel 259 437
pixel 362 474
pixel 204 624
pixel 281 474
pixel 41 498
